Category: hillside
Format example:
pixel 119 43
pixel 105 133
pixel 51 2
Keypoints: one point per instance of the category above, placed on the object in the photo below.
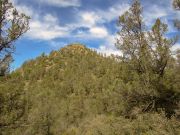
pixel 76 91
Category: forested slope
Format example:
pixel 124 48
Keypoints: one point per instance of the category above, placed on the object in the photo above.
pixel 75 91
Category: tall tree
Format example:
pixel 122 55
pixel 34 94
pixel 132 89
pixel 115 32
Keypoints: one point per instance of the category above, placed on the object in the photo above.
pixel 12 102
pixel 12 26
pixel 146 55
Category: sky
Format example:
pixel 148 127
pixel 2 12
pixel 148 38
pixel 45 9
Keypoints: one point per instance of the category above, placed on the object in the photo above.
pixel 57 23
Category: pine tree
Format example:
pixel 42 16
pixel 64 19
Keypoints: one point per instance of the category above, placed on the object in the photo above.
pixel 12 26
pixel 146 55
pixel 12 102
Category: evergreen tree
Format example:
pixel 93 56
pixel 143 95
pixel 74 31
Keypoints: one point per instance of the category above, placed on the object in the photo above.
pixel 12 102
pixel 12 26
pixel 146 55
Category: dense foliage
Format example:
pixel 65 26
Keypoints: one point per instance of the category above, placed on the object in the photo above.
pixel 75 91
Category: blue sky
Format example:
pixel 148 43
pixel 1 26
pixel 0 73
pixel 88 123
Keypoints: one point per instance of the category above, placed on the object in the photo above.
pixel 56 23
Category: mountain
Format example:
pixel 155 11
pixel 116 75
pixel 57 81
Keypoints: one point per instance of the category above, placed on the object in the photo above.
pixel 73 91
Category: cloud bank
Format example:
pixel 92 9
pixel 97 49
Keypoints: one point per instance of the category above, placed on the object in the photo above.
pixel 88 23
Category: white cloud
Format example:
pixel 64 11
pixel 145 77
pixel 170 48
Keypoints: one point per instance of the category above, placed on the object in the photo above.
pixel 89 18
pixel 45 27
pixel 45 30
pixel 176 47
pixel 108 51
pixel 154 12
pixel 108 47
pixel 93 24
pixel 56 44
pixel 48 27
pixel 113 12
pixel 62 3
pixel 94 32
pixel 50 18
pixel 86 19
pixel 111 39
pixel 94 21
pixel 100 32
